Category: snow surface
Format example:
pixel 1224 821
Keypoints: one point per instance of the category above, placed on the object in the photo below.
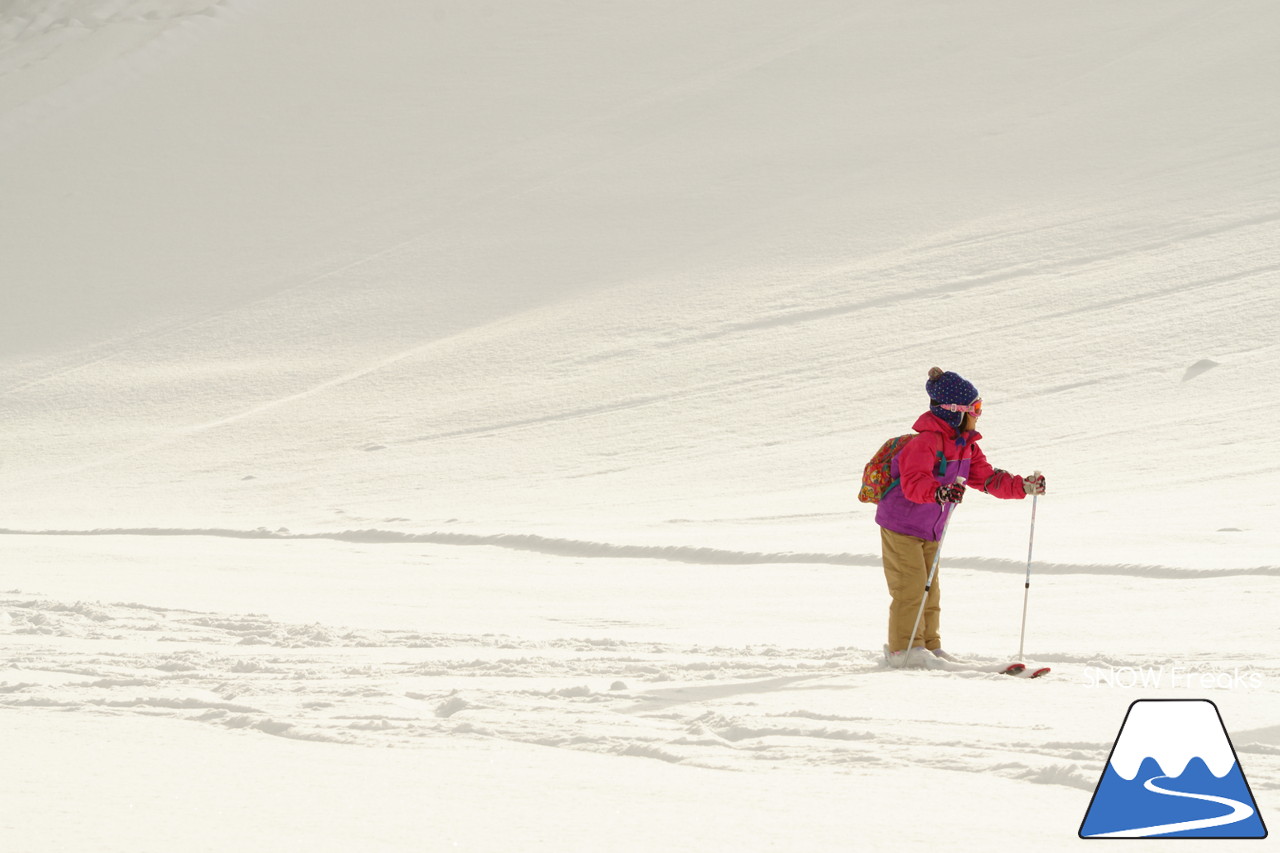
pixel 437 425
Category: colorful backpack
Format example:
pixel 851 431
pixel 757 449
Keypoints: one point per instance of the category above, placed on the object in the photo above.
pixel 877 476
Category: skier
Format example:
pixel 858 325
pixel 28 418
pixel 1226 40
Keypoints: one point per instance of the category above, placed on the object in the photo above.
pixel 930 475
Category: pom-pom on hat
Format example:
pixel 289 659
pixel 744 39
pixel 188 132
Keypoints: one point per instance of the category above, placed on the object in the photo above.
pixel 947 387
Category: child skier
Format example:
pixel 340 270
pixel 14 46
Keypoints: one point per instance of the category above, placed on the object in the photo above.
pixel 930 474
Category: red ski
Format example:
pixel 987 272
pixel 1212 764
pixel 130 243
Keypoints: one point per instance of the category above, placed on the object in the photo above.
pixel 1020 670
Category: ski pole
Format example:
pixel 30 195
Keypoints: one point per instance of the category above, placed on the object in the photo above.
pixel 928 584
pixel 1026 589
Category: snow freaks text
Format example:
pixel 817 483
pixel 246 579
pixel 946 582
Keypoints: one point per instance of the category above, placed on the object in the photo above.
pixel 1171 677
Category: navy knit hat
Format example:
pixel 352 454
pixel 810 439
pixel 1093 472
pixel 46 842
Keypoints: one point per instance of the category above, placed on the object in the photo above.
pixel 948 387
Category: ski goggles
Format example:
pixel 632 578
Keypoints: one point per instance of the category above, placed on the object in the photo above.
pixel 974 408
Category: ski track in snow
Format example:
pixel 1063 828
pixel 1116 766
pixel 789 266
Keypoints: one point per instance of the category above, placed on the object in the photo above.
pixel 702 706
pixel 694 705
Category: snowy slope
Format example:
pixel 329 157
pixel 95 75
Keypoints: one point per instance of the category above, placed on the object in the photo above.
pixel 573 324
pixel 390 278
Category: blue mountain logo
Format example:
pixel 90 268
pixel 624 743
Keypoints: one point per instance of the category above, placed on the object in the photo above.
pixel 1173 773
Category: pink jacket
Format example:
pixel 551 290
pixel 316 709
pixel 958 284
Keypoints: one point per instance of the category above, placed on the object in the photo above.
pixel 909 506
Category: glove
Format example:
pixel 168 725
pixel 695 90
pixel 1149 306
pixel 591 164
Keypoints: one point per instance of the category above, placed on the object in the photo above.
pixel 1034 485
pixel 951 494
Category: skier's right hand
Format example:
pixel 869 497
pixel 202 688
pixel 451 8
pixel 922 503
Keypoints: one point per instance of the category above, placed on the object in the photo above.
pixel 951 494
pixel 1033 485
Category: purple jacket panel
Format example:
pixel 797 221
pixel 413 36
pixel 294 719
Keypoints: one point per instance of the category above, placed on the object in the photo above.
pixel 925 520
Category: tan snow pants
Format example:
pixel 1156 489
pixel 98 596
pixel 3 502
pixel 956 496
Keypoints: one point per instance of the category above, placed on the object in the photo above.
pixel 907 561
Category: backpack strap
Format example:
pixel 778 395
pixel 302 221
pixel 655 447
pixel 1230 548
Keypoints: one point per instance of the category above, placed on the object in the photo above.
pixel 942 456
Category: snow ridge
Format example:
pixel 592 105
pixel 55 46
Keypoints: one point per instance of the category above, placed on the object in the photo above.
pixel 580 548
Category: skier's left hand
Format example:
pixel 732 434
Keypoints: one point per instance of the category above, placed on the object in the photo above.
pixel 1034 485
